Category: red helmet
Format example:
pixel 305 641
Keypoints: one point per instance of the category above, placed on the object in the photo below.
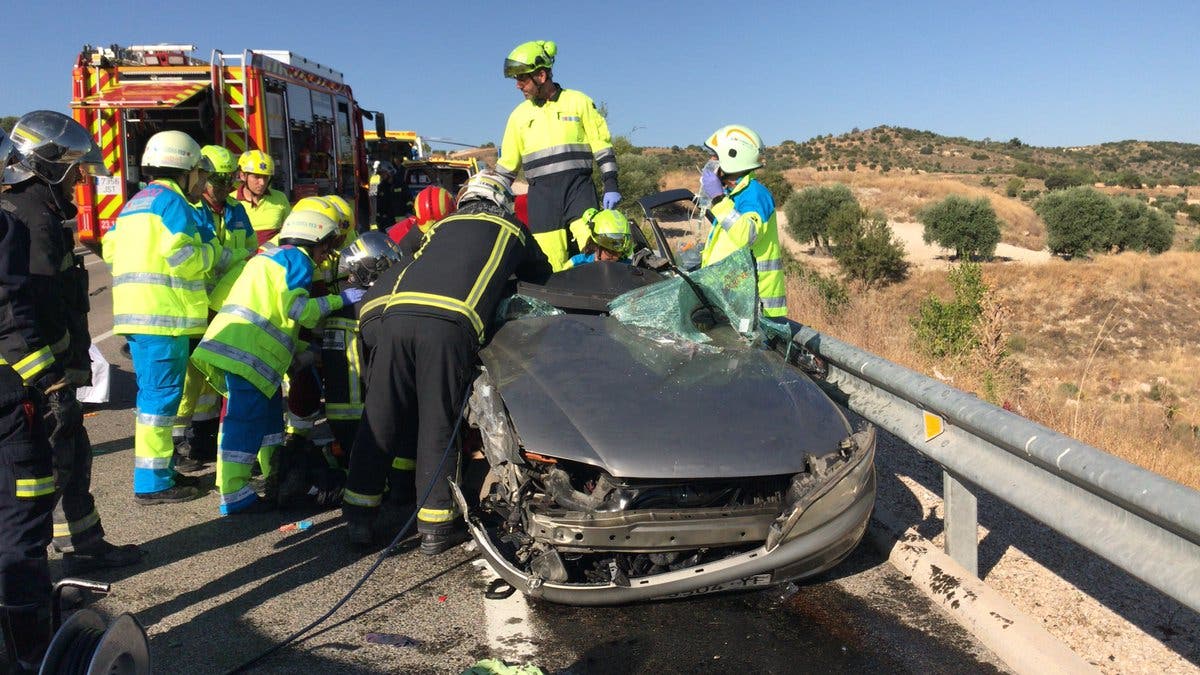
pixel 432 204
pixel 521 208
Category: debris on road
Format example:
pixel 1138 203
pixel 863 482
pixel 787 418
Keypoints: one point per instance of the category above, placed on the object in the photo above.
pixel 391 639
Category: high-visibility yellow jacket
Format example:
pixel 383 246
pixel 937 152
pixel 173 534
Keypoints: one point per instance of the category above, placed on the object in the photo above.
pixel 268 215
pixel 327 271
pixel 256 332
pixel 159 264
pixel 564 133
pixel 745 217
pixel 232 229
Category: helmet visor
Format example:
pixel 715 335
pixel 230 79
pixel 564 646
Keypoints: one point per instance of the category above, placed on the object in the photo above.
pixel 514 68
pixel 615 243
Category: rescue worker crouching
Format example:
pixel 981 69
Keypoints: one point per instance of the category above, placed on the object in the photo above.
pixel 554 135
pixel 160 263
pixel 602 236
pixel 422 325
pixel 266 206
pixel 251 343
pixel 223 219
pixel 743 213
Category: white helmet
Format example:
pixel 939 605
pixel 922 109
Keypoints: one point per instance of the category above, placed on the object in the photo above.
pixel 174 150
pixel 737 148
pixel 312 227
pixel 487 186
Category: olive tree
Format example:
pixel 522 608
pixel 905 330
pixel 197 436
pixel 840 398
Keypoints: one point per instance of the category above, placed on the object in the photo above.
pixel 967 226
pixel 1078 220
pixel 811 211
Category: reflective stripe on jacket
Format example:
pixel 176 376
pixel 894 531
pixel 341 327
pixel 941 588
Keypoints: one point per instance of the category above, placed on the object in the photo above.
pixel 254 335
pixel 159 264
pixel 564 133
pixel 746 218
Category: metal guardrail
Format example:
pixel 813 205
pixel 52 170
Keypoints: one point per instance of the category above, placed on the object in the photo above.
pixel 1140 521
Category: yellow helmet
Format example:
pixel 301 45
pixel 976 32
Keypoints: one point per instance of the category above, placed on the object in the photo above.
pixel 529 57
pixel 344 208
pixel 222 159
pixel 738 148
pixel 256 161
pixel 319 204
pixel 610 231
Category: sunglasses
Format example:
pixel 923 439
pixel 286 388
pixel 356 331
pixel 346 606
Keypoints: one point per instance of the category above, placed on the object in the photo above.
pixel 220 180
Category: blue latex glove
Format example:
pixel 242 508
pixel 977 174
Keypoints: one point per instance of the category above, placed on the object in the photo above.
pixel 352 295
pixel 610 199
pixel 710 184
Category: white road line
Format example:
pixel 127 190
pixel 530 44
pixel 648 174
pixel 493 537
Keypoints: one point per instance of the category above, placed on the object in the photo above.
pixel 508 628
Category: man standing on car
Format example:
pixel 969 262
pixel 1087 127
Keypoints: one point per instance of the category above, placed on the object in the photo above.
pixel 52 153
pixel 554 136
pixel 743 213
pixel 422 324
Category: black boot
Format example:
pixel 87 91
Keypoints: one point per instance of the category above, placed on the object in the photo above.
pixel 439 538
pixel 204 440
pixel 100 555
pixel 179 493
pixel 184 461
pixel 27 633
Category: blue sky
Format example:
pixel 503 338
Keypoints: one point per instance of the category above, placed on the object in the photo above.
pixel 1050 73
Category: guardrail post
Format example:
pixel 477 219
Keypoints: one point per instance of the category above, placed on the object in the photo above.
pixel 962 523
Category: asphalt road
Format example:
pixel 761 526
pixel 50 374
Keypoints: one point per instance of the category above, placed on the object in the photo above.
pixel 214 592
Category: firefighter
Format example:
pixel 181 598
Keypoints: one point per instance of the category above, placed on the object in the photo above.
pixel 160 263
pixel 555 135
pixel 743 213
pixel 225 220
pixel 603 236
pixel 251 343
pixel 422 325
pixel 29 374
pixel 386 192
pixel 431 205
pixel 52 152
pixel 266 206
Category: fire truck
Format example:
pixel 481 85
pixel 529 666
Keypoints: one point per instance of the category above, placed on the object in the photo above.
pixel 300 112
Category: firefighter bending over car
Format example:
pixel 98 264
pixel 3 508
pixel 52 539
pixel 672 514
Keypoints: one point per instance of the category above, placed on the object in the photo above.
pixel 554 135
pixel 252 342
pixel 422 324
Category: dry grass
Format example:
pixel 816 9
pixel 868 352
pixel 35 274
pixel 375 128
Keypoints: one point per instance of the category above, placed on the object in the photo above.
pixel 1102 350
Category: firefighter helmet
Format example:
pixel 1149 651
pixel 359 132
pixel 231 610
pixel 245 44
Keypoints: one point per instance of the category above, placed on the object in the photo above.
pixel 49 145
pixel 344 210
pixel 530 57
pixel 308 226
pixel 174 151
pixel 222 159
pixel 738 148
pixel 432 204
pixel 258 162
pixel 487 186
pixel 610 231
pixel 363 261
pixel 319 204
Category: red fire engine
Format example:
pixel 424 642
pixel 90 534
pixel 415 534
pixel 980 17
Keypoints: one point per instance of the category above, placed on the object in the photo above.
pixel 300 112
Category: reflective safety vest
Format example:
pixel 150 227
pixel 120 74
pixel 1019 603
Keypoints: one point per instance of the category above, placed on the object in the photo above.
pixel 271 210
pixel 746 218
pixel 159 263
pixel 256 332
pixel 231 228
pixel 564 133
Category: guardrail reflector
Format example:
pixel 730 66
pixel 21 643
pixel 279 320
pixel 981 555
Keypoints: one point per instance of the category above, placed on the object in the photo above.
pixel 934 425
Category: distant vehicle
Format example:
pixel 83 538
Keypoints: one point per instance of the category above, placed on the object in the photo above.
pixel 406 150
pixel 625 465
pixel 300 112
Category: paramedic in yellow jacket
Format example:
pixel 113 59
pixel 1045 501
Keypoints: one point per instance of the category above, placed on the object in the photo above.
pixel 224 220
pixel 251 343
pixel 160 262
pixel 555 135
pixel 266 206
pixel 743 213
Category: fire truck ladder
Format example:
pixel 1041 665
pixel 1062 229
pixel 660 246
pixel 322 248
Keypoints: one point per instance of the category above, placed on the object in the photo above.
pixel 229 97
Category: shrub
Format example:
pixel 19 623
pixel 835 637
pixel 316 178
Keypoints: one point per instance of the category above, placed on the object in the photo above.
pixel 834 294
pixel 1078 220
pixel 948 328
pixel 967 226
pixel 1140 227
pixel 987 182
pixel 810 211
pixel 868 252
pixel 1030 170
pixel 1014 186
pixel 774 181
pixel 926 149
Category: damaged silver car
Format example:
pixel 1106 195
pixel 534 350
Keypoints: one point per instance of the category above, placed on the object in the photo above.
pixel 648 436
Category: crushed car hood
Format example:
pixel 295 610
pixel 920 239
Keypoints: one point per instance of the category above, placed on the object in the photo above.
pixel 591 389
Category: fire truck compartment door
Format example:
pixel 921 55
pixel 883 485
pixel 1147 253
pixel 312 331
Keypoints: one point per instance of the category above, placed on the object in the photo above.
pixel 141 95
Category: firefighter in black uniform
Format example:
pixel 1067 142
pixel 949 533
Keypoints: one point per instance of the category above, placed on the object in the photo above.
pixel 28 371
pixel 53 152
pixel 422 325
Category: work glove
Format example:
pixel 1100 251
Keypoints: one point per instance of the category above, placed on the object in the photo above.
pixel 710 184
pixel 66 412
pixel 610 199
pixel 352 295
